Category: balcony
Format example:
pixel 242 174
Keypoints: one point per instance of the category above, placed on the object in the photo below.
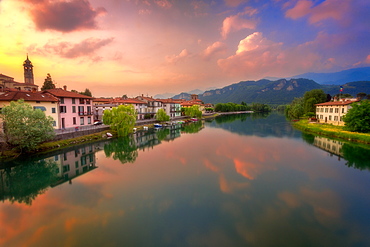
pixel 85 113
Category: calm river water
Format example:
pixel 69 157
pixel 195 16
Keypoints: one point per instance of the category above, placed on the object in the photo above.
pixel 241 180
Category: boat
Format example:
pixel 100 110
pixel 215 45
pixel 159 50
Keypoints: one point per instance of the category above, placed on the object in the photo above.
pixel 109 134
pixel 157 125
pixel 194 119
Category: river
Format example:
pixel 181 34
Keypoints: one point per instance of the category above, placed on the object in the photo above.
pixel 238 180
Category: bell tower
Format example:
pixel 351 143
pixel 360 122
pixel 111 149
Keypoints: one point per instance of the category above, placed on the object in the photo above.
pixel 28 71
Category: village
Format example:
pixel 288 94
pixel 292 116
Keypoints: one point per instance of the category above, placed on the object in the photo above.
pixel 73 111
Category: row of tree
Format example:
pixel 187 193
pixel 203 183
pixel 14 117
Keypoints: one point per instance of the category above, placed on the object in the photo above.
pixel 232 107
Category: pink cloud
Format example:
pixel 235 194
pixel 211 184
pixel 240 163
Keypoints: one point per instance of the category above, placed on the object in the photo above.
pixel 87 47
pixel 217 47
pixel 64 16
pixel 236 23
pixel 330 9
pixel 176 58
pixel 164 4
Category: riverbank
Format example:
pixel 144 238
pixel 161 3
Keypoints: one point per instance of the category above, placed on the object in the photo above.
pixel 333 131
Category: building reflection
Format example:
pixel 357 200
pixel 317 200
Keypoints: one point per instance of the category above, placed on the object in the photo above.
pixel 354 155
pixel 329 145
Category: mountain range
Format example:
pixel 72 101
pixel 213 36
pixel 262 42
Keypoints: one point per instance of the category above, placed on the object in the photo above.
pixel 283 91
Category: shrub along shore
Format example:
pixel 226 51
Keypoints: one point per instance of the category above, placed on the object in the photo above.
pixel 332 131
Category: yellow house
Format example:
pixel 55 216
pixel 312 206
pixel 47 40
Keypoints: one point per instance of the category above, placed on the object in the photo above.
pixel 44 101
pixel 333 112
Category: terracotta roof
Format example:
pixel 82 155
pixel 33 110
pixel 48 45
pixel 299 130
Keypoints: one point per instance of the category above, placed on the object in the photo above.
pixel 335 103
pixel 129 101
pixel 60 93
pixel 28 96
pixel 102 100
pixel 169 101
pixel 5 76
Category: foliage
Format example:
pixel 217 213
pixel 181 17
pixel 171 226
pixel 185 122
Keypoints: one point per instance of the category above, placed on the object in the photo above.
pixel 357 118
pixel 87 92
pixel 48 83
pixel 295 109
pixel 161 116
pixel 193 111
pixel 305 106
pixel 25 127
pixel 121 119
pixel 259 107
pixel 313 97
pixel 230 107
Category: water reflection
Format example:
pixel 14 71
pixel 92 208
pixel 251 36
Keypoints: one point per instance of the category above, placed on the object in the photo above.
pixel 213 188
pixel 24 182
pixel 125 149
pixel 356 156
pixel 256 124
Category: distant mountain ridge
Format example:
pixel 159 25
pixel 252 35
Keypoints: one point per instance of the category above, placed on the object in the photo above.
pixel 278 92
pixel 283 91
pixel 338 78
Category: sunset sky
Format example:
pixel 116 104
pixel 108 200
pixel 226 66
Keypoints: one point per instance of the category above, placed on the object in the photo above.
pixel 134 47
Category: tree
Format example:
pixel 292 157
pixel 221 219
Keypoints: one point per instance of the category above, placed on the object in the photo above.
pixel 357 118
pixel 87 92
pixel 193 111
pixel 121 119
pixel 25 127
pixel 295 109
pixel 161 116
pixel 48 83
pixel 310 98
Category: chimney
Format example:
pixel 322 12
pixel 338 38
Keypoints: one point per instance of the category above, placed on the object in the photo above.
pixel 65 88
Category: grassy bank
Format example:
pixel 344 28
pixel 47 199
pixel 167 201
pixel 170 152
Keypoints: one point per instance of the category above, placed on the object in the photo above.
pixel 332 131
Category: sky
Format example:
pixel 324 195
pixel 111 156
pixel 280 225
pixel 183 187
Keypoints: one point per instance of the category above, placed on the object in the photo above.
pixel 150 47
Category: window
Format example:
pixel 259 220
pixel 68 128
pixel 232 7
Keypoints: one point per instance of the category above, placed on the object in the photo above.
pixel 82 101
pixel 329 117
pixel 66 168
pixel 53 110
pixel 89 110
pixel 76 164
pixel 74 121
pixel 54 123
pixel 73 101
pixel 326 109
pixel 89 120
pixel 331 110
pixel 62 100
pixel 335 118
pixel 39 107
pixel 38 102
pixel 336 110
pixel 342 110
pixel 81 110
pixel 63 109
pixel 82 122
pixel 73 109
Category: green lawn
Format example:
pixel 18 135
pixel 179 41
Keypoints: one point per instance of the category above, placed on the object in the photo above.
pixel 332 131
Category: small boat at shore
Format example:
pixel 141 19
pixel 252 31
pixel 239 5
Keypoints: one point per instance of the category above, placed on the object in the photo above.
pixel 157 125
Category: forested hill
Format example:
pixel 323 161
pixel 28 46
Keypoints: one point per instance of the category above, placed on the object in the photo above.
pixel 263 91
pixel 275 92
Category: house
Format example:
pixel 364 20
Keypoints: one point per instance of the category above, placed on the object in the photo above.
pixel 139 105
pixel 152 105
pixel 74 109
pixel 172 107
pixel 43 101
pixel 333 112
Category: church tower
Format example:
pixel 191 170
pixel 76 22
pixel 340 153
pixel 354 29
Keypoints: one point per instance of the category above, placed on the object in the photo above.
pixel 28 71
